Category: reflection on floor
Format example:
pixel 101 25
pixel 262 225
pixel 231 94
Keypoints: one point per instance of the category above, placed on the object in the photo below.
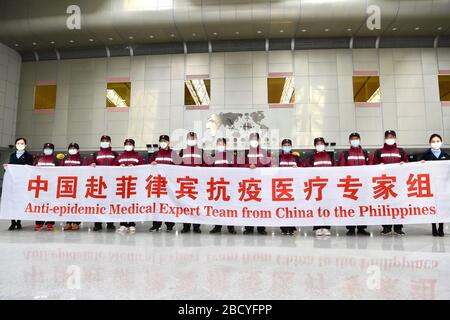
pixel 92 265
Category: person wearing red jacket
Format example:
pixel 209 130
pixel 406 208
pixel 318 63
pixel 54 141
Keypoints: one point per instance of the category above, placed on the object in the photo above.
pixel 128 158
pixel 355 156
pixel 191 156
pixel 165 155
pixel 256 157
pixel 320 158
pixel 389 154
pixel 73 159
pixel 287 159
pixel 222 158
pixel 48 159
pixel 104 157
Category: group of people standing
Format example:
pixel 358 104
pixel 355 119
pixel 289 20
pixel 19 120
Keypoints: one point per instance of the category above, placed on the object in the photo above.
pixel 255 156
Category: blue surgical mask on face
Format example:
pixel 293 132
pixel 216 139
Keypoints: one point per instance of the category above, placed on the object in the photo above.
pixel 286 149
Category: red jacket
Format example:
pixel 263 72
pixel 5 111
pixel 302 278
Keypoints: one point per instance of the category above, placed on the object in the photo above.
pixel 257 157
pixel 192 156
pixel 129 158
pixel 356 156
pixel 320 159
pixel 390 154
pixel 74 160
pixel 103 157
pixel 46 161
pixel 289 160
pixel 164 156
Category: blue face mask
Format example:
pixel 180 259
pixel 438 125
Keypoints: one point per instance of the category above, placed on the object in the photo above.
pixel 286 149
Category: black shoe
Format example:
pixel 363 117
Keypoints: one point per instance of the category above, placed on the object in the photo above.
pixel 169 229
pixel 262 232
pixel 435 232
pixel 399 232
pixel 248 231
pixel 215 230
pixel 185 230
pixel 386 231
pixel 110 227
pixel 291 232
pixel 232 231
pixel 441 232
pixel 362 232
pixel 197 230
pixel 351 232
pixel 12 226
pixel 97 228
pixel 18 225
pixel 153 229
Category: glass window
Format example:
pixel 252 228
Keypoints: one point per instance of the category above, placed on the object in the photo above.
pixel 281 90
pixel 366 89
pixel 444 87
pixel 197 92
pixel 45 97
pixel 118 94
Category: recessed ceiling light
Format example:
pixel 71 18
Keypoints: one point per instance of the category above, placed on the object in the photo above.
pixel 281 31
pixel 417 28
pixel 193 34
pixel 71 41
pixel 91 40
pixel 16 45
pixel 259 31
pixel 237 32
pixel 439 28
pixel 215 33
pixel 34 43
pixel 326 30
pixel 151 36
pixel 172 35
pixel 131 37
pixel 110 39
pixel 303 30
pixel 349 29
pixel 52 42
pixel 394 28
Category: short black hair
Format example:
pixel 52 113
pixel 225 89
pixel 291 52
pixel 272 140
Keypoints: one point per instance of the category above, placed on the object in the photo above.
pixel 354 134
pixel 390 132
pixel 18 139
pixel 105 137
pixel 434 135
pixel 73 145
pixel 319 139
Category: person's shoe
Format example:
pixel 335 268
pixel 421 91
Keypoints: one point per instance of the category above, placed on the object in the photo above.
pixel 19 225
pixel 326 232
pixel 319 232
pixel 215 230
pixel 12 226
pixel 362 232
pixel 399 232
pixel 49 227
pixel 132 229
pixel 185 230
pixel 169 229
pixel 386 232
pixel 248 231
pixel 38 227
pixel 122 229
pixel 232 231
pixel 68 227
pixel 98 228
pixel 197 230
pixel 435 232
pixel 262 232
pixel 291 232
pixel 153 228
pixel 351 232
pixel 441 233
pixel 110 227
pixel 75 227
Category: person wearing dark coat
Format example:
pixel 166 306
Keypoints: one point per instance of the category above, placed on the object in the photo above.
pixel 20 157
pixel 435 153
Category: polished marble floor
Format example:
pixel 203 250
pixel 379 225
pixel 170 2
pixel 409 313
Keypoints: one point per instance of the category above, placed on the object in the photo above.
pixel 101 265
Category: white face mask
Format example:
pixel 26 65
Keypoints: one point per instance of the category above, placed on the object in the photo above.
pixel 390 142
pixel 104 144
pixel 48 152
pixel 163 145
pixel 286 149
pixel 355 143
pixel 73 151
pixel 20 147
pixel 221 148
pixel 128 147
pixel 436 145
pixel 320 147
pixel 191 142
pixel 254 143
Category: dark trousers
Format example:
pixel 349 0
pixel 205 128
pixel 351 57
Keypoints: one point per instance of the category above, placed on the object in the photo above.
pixel 250 229
pixel 441 226
pixel 15 221
pixel 45 222
pixel 158 224
pixel 128 224
pixel 321 227
pixel 99 224
pixel 287 229
pixel 354 227
pixel 396 227
pixel 187 226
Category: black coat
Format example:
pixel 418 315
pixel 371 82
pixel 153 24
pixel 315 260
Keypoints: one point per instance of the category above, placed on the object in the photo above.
pixel 25 158
pixel 429 156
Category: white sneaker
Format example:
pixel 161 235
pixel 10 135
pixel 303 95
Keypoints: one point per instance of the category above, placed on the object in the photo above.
pixel 319 232
pixel 132 229
pixel 326 232
pixel 122 229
